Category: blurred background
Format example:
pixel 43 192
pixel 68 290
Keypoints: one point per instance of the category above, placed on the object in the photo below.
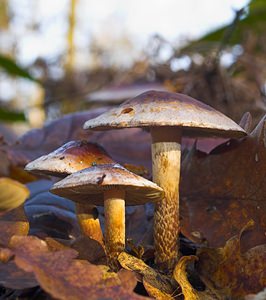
pixel 58 57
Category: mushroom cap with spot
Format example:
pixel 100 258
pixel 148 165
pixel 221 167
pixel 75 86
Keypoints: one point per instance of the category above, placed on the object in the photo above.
pixel 69 158
pixel 90 184
pixel 159 108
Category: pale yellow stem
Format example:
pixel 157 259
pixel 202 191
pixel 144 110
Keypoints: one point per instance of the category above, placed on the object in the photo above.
pixel 115 235
pixel 166 155
pixel 89 222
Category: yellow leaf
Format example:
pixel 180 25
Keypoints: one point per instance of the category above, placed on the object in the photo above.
pixel 157 285
pixel 180 276
pixel 12 194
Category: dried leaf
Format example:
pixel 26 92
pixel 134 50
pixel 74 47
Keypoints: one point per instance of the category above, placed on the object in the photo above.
pixel 180 276
pixel 128 279
pixel 56 245
pixel 13 222
pixel 226 189
pixel 14 278
pixel 8 229
pixel 135 151
pixel 231 273
pixel 5 255
pixel 12 194
pixel 89 249
pixel 138 226
pixel 157 285
pixel 64 277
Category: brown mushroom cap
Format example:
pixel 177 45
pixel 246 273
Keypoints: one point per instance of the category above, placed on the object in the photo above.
pixel 96 180
pixel 157 108
pixel 71 157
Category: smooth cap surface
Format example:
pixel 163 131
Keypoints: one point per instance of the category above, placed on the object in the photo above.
pixel 159 108
pixel 71 157
pixel 89 185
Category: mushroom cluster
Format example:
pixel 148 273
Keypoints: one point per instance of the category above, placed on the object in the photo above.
pixel 111 186
pixel 69 158
pixel 168 117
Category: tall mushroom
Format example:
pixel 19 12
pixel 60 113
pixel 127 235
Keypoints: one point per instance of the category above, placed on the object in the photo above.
pixel 110 185
pixel 69 158
pixel 169 116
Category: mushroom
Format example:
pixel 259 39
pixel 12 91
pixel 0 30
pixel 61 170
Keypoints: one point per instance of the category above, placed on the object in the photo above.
pixel 110 185
pixel 169 116
pixel 69 158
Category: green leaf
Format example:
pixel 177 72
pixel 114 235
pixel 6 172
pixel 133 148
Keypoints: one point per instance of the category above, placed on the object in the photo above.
pixel 13 69
pixel 253 20
pixel 11 116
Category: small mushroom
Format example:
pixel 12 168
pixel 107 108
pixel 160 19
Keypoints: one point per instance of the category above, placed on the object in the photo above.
pixel 70 158
pixel 110 186
pixel 169 116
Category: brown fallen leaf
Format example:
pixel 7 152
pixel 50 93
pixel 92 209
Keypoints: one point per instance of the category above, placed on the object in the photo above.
pixel 8 229
pixel 13 222
pixel 222 191
pixel 128 279
pixel 231 273
pixel 5 255
pixel 65 277
pixel 89 249
pixel 18 173
pixel 11 276
pixel 56 245
pixel 135 151
pixel 157 285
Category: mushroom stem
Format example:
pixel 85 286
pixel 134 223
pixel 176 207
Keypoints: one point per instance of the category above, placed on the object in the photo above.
pixel 114 211
pixel 88 221
pixel 166 155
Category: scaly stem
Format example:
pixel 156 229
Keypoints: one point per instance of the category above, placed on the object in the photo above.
pixel 166 155
pixel 114 211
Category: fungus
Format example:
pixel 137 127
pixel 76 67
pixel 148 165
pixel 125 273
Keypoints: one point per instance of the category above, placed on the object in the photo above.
pixel 169 116
pixel 111 186
pixel 69 158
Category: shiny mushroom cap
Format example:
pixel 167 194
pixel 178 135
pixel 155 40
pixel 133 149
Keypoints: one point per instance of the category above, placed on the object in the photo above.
pixel 96 180
pixel 69 158
pixel 159 108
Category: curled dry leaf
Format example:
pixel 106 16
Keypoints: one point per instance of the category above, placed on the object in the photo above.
pixel 157 285
pixel 180 276
pixel 65 277
pixel 226 189
pixel 230 273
